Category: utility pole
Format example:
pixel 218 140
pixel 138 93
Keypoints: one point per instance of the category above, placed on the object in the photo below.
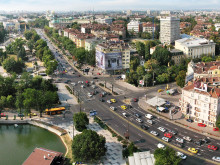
pixel 153 78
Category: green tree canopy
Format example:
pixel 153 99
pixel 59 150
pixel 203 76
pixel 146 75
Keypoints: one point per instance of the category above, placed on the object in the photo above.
pixel 180 79
pixel 81 121
pixel 88 146
pixel 162 55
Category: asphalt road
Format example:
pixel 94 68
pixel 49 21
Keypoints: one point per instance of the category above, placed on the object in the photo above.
pixel 116 121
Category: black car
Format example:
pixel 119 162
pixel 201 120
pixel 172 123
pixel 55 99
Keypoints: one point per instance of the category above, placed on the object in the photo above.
pixel 178 144
pixel 102 100
pixel 95 77
pixel 137 115
pixel 144 127
pixel 189 120
pixel 199 142
pixel 206 140
pixel 173 132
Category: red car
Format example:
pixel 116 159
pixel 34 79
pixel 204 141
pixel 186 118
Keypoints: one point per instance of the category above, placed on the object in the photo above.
pixel 216 129
pixel 212 147
pixel 135 99
pixel 98 73
pixel 201 125
pixel 169 135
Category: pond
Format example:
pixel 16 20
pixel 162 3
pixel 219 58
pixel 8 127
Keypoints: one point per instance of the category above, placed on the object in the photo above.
pixel 17 143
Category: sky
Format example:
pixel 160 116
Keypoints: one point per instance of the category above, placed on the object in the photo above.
pixel 84 5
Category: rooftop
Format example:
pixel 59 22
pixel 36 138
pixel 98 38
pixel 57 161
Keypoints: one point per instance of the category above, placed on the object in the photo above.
pixel 193 42
pixel 203 68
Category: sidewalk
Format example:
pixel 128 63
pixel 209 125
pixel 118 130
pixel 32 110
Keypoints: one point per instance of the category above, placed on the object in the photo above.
pixel 179 120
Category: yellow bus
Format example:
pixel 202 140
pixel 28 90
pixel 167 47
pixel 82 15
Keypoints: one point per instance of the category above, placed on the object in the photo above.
pixel 54 111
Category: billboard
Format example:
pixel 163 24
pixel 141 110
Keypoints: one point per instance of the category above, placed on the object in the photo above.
pixel 109 61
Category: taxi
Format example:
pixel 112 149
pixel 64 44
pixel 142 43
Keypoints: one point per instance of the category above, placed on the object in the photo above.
pixel 123 107
pixel 193 150
pixel 113 100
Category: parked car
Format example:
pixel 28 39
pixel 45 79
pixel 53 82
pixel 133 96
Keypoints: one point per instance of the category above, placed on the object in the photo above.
pixel 169 135
pixel 181 155
pixel 187 138
pixel 178 144
pixel 20 115
pixel 216 129
pixel 198 142
pixel 82 86
pixel 150 122
pixel 154 133
pixel 113 108
pixel 139 120
pixel 144 127
pixel 189 120
pixel 109 101
pixel 123 107
pixel 165 139
pixel 205 140
pixel 89 95
pixel 3 115
pixel 93 86
pixel 95 77
pixel 201 125
pixel 180 140
pixel 216 158
pixel 212 147
pixel 125 115
pixel 113 100
pixel 160 145
pixel 173 132
pixel 102 100
pixel 137 115
pixel 162 129
pixel 135 100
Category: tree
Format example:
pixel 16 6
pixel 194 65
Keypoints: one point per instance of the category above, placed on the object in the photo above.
pixel 140 48
pixel 218 122
pixel 134 64
pixel 11 65
pixel 207 59
pixel 166 156
pixel 163 78
pixel 81 121
pixel 147 52
pixel 19 102
pixel 180 79
pixel 162 55
pixel 140 71
pixel 129 150
pixel 88 146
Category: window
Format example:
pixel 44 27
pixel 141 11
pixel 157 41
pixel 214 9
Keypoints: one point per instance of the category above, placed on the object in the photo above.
pixel 215 101
pixel 206 99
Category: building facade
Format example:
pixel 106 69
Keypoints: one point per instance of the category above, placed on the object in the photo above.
pixel 169 30
pixel 195 47
pixel 149 27
pixel 200 101
pixel 112 56
pixel 135 26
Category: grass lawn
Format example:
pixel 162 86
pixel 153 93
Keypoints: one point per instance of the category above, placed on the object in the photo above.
pixel 13 55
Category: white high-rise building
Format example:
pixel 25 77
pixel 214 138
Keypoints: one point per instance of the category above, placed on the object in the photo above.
pixel 169 30
pixel 135 26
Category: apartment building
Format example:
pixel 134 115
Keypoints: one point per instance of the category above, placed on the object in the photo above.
pixel 106 20
pixel 12 25
pixel 135 26
pixel 200 101
pixel 169 30
pixel 202 69
pixel 195 47
pixel 113 56
pixel 90 44
pixel 60 22
pixel 149 27
pixel 217 26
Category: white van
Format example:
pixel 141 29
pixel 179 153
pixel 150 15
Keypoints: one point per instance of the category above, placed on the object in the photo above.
pixel 149 116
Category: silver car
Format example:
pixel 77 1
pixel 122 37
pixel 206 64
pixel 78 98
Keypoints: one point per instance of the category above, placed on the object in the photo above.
pixel 154 133
pixel 180 140
pixel 216 158
pixel 162 129
pixel 166 139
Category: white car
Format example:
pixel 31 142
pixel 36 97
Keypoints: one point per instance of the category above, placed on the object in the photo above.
pixel 160 145
pixel 150 121
pixel 149 116
pixel 162 129
pixel 187 138
pixel 93 86
pixel 79 82
pixel 113 108
pixel 73 84
pixel 154 133
pixel 82 86
pixel 89 95
pixel 109 101
pixel 166 139
pixel 125 114
pixel 216 158
pixel 139 120
pixel 181 155
pixel 180 140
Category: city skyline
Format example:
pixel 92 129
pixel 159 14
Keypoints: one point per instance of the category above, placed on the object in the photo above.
pixel 85 5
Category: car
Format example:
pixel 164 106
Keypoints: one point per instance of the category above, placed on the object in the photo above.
pixel 198 142
pixel 205 140
pixel 95 77
pixel 20 115
pixel 89 95
pixel 98 73
pixel 216 129
pixel 113 108
pixel 178 144
pixel 160 145
pixel 162 129
pixel 82 86
pixel 216 158
pixel 144 127
pixel 187 138
pixel 180 140
pixel 123 107
pixel 169 135
pixel 137 115
pixel 181 155
pixel 79 82
pixel 125 115
pixel 3 115
pixel 173 132
pixel 102 100
pixel 139 120
pixel 165 139
pixel 113 100
pixel 189 120
pixel 150 122
pixel 149 116
pixel 154 133
pixel 79 75
pixel 135 100
pixel 201 125
pixel 109 101
pixel 73 84
pixel 93 86
pixel 193 150
pixel 73 72
pixel 212 147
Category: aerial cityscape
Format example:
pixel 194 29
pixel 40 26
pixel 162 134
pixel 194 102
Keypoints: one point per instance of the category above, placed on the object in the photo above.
pixel 110 82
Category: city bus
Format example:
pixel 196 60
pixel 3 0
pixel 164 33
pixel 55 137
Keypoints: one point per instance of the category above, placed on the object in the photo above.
pixel 54 111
